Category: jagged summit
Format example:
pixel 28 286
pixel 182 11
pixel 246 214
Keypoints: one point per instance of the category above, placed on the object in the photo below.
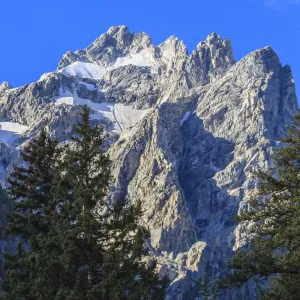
pixel 4 86
pixel 213 37
pixel 169 63
pixel 113 29
pixel 185 133
pixel 118 43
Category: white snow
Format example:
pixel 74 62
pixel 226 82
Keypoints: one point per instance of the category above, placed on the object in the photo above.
pixel 136 59
pixel 185 117
pixel 127 116
pixel 84 70
pixel 122 116
pixel 94 71
pixel 10 131
pixel 64 100
pixel 44 76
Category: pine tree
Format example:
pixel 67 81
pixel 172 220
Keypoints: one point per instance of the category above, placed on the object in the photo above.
pixel 103 244
pixel 73 243
pixel 4 208
pixel 274 217
pixel 30 191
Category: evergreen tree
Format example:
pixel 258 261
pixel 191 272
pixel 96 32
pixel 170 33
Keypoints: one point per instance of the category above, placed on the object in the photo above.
pixel 4 208
pixel 103 244
pixel 30 191
pixel 73 244
pixel 274 219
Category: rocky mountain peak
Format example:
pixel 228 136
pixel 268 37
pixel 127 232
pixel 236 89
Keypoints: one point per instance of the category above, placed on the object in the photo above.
pixel 4 86
pixel 210 60
pixel 266 58
pixel 116 43
pixel 123 37
pixel 121 30
pixel 172 54
pixel 172 45
pixel 118 36
pixel 213 37
pixel 185 133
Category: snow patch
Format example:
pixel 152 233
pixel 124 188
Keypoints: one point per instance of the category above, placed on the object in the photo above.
pixel 136 59
pixel 64 100
pixel 44 76
pixel 84 70
pixel 122 116
pixel 10 131
pixel 185 117
pixel 128 116
pixel 94 71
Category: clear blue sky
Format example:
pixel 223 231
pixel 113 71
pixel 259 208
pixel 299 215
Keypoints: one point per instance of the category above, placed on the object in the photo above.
pixel 36 33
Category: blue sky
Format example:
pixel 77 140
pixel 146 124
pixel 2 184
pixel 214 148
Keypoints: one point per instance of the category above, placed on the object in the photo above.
pixel 35 34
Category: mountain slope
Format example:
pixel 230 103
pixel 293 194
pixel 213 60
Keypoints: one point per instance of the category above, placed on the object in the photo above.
pixel 185 133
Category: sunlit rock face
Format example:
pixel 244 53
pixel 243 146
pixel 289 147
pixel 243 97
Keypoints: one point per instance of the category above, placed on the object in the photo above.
pixel 184 132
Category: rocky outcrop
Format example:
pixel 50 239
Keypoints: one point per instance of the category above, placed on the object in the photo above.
pixel 173 71
pixel 115 43
pixel 205 147
pixel 192 128
pixel 4 86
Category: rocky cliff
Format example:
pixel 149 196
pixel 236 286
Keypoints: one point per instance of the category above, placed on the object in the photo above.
pixel 184 133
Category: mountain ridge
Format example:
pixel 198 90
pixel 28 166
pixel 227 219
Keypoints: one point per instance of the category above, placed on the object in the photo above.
pixel 184 132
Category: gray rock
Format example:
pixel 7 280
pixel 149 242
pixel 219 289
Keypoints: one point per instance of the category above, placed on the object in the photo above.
pixel 4 86
pixel 209 123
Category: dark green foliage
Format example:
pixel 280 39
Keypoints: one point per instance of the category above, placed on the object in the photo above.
pixel 284 287
pixel 30 190
pixel 4 208
pixel 275 248
pixel 73 244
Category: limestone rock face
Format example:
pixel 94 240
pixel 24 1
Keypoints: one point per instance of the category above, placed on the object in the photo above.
pixel 210 59
pixel 113 44
pixel 170 67
pixel 4 86
pixel 184 134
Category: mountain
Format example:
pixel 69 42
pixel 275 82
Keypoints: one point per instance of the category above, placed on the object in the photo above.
pixel 185 132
